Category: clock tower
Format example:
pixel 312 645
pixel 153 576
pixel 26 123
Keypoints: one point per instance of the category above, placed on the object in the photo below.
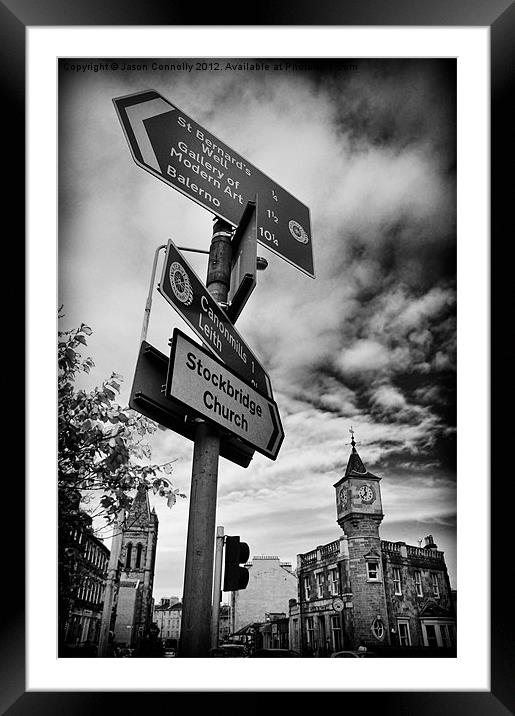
pixel 359 514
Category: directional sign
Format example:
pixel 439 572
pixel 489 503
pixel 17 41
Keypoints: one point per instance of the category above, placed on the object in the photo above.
pixel 148 398
pixel 171 146
pixel 243 264
pixel 181 287
pixel 202 383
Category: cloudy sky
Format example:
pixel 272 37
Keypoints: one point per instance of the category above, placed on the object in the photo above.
pixel 369 147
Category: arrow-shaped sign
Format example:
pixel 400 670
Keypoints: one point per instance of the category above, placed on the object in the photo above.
pixel 200 382
pixel 173 147
pixel 148 398
pixel 184 290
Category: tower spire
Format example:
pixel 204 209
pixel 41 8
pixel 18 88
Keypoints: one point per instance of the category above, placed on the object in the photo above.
pixel 352 441
pixel 139 511
pixel 355 464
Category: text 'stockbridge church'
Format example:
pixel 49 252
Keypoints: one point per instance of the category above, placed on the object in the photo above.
pixel 362 591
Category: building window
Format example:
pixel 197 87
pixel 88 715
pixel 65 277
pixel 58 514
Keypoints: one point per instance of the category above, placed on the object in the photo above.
pixel 404 633
pixel 438 634
pixel 307 588
pixel 320 585
pixel 378 628
pixel 418 583
pixel 397 580
pixel 445 635
pixel 336 633
pixel 310 633
pixel 373 570
pixel 431 639
pixel 129 555
pixel 436 590
pixel 139 549
pixel 334 580
pixel 295 634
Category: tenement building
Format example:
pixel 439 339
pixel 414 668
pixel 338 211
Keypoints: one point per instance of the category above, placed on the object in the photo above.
pixel 272 584
pixel 87 582
pixel 168 618
pixel 360 590
pixel 138 556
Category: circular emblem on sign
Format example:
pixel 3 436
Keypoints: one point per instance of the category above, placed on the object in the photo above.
pixel 338 604
pixel 298 232
pixel 180 283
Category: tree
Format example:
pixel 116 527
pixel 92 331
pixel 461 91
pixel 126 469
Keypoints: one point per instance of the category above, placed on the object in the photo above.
pixel 102 456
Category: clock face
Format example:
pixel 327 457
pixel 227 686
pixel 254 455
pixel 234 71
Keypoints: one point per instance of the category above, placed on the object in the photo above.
pixel 342 497
pixel 366 493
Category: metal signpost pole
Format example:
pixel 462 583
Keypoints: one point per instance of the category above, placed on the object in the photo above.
pixel 217 587
pixel 148 305
pixel 198 570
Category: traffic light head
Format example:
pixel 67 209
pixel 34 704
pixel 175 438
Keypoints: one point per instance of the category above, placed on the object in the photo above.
pixel 236 554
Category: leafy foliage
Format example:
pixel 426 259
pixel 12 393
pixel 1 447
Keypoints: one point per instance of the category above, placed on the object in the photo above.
pixel 102 455
pixel 99 441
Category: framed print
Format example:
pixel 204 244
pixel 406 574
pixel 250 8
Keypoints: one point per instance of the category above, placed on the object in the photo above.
pixel 377 158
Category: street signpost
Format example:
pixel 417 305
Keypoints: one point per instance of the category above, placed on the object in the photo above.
pixel 148 398
pixel 200 382
pixel 173 147
pixel 243 262
pixel 184 290
pixel 230 395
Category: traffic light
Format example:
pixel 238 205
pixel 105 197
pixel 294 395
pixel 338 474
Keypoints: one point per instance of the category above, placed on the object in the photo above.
pixel 236 553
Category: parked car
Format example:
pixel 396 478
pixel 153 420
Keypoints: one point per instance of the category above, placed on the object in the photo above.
pixel 169 653
pixel 228 650
pixel 352 654
pixel 273 653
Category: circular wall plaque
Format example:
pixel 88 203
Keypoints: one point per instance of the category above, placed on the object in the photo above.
pixel 338 604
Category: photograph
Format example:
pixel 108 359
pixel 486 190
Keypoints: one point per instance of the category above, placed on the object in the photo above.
pixel 257 344
pixel 257 353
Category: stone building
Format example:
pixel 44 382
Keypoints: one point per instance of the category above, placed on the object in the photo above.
pixel 224 623
pixel 138 556
pixel 272 584
pixel 168 617
pixel 87 594
pixel 360 590
pixel 274 633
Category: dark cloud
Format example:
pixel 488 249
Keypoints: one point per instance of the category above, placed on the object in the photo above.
pixel 369 146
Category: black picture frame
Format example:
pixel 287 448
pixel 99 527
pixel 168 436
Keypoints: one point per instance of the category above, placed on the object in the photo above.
pixel 499 16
